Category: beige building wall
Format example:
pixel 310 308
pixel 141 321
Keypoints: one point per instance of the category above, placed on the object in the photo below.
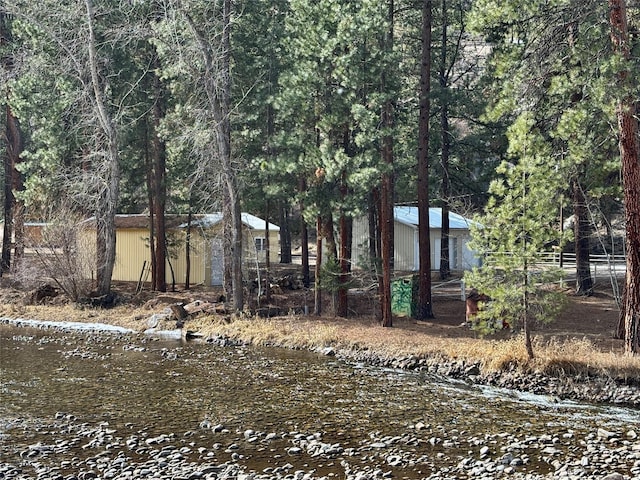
pixel 132 250
pixel 205 269
pixel 405 241
pixel 406 247
pixel 178 258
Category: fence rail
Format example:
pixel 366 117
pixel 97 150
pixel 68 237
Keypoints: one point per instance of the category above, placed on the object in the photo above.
pixel 569 259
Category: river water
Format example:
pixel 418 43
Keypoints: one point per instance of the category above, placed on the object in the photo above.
pixel 264 408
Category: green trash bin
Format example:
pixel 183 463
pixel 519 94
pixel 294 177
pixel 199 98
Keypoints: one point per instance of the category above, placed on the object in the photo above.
pixel 402 296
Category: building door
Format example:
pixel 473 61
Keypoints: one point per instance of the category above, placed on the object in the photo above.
pixel 453 253
pixel 217 262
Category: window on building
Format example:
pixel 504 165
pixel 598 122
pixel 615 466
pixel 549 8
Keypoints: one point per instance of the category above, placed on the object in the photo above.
pixel 261 244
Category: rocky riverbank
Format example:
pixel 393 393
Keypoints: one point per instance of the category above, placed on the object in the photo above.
pixel 593 389
pixel 576 356
pixel 67 448
pixel 600 389
pixel 72 450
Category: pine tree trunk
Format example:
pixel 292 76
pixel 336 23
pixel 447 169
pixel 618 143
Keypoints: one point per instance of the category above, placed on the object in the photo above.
pixel 329 236
pixel 285 234
pixel 445 189
pixel 159 187
pixel 374 245
pixel 424 308
pixel 526 327
pixel 387 187
pixel 304 238
pixel 629 155
pixel 15 146
pixel 18 229
pixel 267 255
pixel 13 208
pixel 373 226
pixel 317 308
pixel 581 228
pixel 150 200
pixel 346 237
pixel 329 239
pixel 9 200
pixel 386 247
pixel 13 178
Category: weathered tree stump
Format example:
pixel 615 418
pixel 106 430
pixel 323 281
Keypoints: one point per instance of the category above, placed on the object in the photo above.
pixel 41 293
pixel 179 313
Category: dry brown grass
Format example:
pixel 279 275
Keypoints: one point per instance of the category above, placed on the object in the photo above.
pixel 560 349
pixel 581 355
pixel 553 355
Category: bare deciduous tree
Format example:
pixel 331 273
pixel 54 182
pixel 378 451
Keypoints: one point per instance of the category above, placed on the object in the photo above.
pixel 68 47
pixel 195 41
pixel 108 195
pixel 63 254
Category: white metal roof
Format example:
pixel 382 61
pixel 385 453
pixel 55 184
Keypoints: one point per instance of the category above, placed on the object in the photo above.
pixel 409 216
pixel 251 221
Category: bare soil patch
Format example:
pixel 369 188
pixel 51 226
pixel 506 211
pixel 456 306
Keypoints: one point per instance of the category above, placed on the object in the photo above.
pixel 593 318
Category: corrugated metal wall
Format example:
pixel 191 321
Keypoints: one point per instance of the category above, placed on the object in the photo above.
pixel 360 243
pixel 132 250
pixel 406 247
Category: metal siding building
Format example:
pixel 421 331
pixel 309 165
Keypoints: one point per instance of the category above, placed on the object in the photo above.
pixel 133 254
pixel 406 253
pixel 207 259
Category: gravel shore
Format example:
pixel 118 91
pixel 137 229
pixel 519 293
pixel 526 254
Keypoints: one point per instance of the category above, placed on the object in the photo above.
pixel 100 452
pixel 68 449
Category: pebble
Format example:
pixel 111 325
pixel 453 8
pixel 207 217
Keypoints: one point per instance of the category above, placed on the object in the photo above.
pixel 80 451
pixel 597 458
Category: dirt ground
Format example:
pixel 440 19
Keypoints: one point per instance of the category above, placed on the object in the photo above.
pixel 593 318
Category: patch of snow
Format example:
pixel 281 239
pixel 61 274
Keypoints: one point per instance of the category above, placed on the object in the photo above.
pixel 167 334
pixel 78 326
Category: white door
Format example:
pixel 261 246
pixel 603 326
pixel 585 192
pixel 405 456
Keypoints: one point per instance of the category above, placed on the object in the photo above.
pixel 453 253
pixel 435 254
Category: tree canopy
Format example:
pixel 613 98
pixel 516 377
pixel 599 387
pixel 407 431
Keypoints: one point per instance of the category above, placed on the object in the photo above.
pixel 312 110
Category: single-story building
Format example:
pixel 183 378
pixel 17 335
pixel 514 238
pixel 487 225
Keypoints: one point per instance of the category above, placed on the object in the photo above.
pixel 133 253
pixel 32 233
pixel 406 251
pixel 209 258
